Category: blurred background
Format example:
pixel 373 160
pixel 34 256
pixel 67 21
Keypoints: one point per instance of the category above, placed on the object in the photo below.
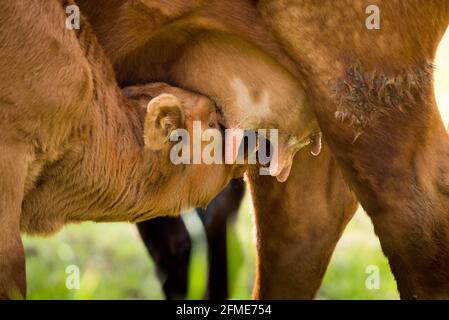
pixel 113 262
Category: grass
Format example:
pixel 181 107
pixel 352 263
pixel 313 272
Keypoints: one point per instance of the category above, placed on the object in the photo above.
pixel 349 269
pixel 113 263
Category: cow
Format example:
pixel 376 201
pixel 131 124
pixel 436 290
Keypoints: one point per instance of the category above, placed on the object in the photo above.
pixel 372 94
pixel 169 244
pixel 375 104
pixel 76 147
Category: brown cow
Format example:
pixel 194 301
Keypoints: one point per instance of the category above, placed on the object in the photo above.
pixel 169 244
pixel 372 93
pixel 73 147
pixel 310 218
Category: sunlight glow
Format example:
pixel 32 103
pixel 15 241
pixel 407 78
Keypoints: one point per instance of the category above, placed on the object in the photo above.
pixel 442 78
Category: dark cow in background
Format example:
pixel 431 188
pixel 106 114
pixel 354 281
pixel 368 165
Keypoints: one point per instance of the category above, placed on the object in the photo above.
pixel 168 242
pixel 303 217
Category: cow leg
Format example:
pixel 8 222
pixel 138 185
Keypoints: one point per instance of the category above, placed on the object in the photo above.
pixel 13 168
pixel 298 225
pixel 168 242
pixel 398 166
pixel 376 107
pixel 215 219
pixel 384 128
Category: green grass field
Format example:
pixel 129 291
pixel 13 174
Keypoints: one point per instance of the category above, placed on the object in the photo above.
pixel 113 263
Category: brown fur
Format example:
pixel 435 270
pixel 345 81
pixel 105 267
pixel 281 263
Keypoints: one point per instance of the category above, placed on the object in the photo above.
pixel 72 145
pixel 364 98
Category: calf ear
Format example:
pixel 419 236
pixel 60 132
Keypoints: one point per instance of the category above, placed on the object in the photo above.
pixel 164 115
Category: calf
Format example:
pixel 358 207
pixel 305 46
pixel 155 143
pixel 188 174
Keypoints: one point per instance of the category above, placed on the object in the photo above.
pixel 75 148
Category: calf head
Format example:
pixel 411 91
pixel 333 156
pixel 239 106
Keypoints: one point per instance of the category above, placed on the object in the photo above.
pixel 176 122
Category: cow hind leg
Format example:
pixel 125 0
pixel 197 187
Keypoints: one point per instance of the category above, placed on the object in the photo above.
pixel 168 242
pixel 376 107
pixel 394 150
pixel 298 225
pixel 13 168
